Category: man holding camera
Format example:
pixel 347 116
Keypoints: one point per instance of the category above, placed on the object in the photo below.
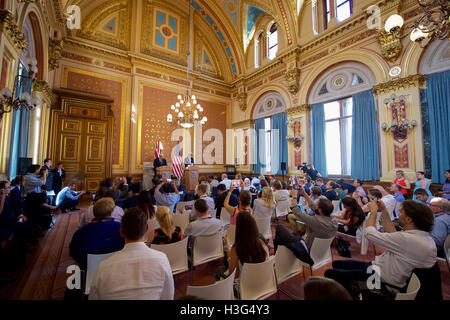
pixel 309 170
pixel 70 198
pixel 167 194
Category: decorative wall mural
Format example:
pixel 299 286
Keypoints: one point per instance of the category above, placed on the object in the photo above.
pixel 253 14
pixel 231 7
pixel 166 30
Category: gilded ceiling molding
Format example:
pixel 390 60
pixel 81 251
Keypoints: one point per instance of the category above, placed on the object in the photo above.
pixel 55 48
pixel 8 26
pixel 298 110
pixel 391 47
pixel 96 50
pixel 417 80
pixel 200 43
pixel 89 25
pixel 244 124
pixel 43 87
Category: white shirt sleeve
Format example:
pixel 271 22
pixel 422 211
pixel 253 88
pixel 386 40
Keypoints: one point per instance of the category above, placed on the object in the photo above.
pixel 390 241
pixel 168 287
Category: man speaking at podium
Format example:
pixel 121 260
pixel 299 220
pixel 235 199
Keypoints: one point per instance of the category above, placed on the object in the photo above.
pixel 159 157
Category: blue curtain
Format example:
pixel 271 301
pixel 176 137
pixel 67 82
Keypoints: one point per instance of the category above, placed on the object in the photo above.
pixel 20 125
pixel 318 139
pixel 260 147
pixel 365 163
pixel 438 91
pixel 280 155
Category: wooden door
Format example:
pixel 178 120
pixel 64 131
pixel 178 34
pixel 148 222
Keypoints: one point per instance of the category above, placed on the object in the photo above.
pixel 81 138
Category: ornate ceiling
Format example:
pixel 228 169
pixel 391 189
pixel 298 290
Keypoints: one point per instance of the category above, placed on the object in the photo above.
pixel 224 27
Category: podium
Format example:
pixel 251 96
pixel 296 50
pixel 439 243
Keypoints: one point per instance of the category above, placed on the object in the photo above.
pixel 164 171
pixel 191 178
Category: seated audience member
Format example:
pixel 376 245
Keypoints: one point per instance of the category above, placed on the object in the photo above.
pixel 249 245
pixel 10 223
pixel 110 184
pixel 347 187
pixel 131 202
pixel 341 194
pixel 331 193
pixel 423 196
pixel 202 180
pixel 224 180
pixel 244 201
pixel 32 182
pixel 351 217
pixel 205 225
pixel 88 215
pixel 220 199
pixel 136 272
pixel 164 195
pixel 388 200
pixel 319 183
pixel 421 183
pixel 202 194
pixel 213 182
pixel 264 206
pixel 263 183
pixel 279 194
pixel 398 196
pixel 146 203
pixel 255 182
pixel 319 288
pixel 321 225
pixel 155 182
pixel 358 187
pixel 402 182
pixel 16 197
pixel 446 187
pixel 441 229
pixel 247 184
pixel 101 235
pixel 404 250
pixel 167 231
pixel 308 186
pixel 70 198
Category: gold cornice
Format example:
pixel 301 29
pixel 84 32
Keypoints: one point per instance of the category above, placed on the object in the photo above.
pixel 417 80
pixel 42 86
pixel 297 110
pixel 55 48
pixel 9 24
pixel 243 124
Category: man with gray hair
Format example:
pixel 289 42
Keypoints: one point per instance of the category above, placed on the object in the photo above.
pixel 441 229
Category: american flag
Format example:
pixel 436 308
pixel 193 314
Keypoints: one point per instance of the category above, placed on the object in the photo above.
pixel 177 163
pixel 158 149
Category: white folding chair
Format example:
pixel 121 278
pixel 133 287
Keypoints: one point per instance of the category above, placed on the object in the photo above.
pixel 286 266
pixel 231 235
pixel 335 206
pixel 176 253
pixel 181 220
pixel 282 208
pixel 207 249
pixel 257 280
pixel 320 253
pixel 152 225
pixel 264 227
pixel 411 291
pixel 93 261
pixel 183 204
pixel 224 216
pixel 447 250
pixel 221 290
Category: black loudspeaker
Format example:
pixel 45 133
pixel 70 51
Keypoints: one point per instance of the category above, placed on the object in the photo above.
pixel 24 164
pixel 283 166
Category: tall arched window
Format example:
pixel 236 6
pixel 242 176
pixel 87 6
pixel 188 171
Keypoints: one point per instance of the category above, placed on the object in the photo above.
pixel 335 90
pixel 273 42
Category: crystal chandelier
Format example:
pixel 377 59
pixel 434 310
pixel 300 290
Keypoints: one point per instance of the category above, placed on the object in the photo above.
pixel 8 102
pixel 432 24
pixel 186 111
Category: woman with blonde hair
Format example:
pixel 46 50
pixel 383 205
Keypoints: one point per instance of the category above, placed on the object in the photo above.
pixel 264 206
pixel 167 232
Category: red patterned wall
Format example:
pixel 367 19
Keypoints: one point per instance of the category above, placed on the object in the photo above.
pixel 156 105
pixel 99 85
pixel 297 151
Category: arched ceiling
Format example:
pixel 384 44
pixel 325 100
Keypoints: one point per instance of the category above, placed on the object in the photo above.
pixel 229 20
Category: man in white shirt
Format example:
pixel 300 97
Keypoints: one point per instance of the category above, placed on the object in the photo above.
pixel 136 272
pixel 388 200
pixel 404 250
pixel 225 181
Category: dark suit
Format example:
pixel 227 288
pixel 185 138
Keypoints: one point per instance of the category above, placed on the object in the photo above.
pixel 49 181
pixel 16 201
pixel 158 163
pixel 58 180
pixel 220 199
